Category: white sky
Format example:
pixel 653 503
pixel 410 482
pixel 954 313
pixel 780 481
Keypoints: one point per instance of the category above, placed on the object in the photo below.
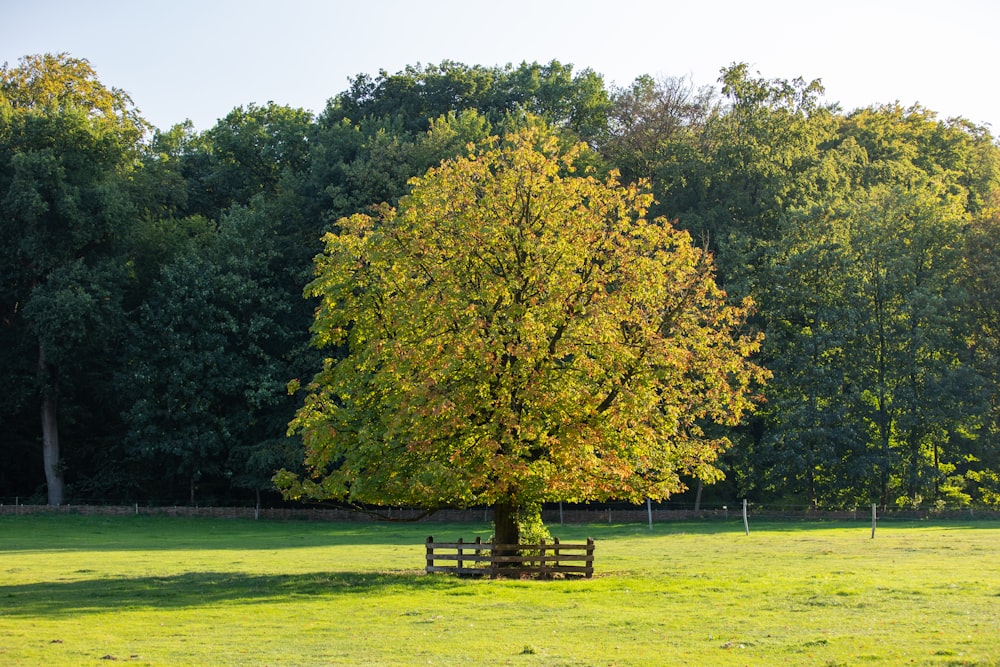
pixel 199 59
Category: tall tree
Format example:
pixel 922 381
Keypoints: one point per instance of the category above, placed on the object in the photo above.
pixel 874 396
pixel 211 351
pixel 908 348
pixel 68 144
pixel 250 151
pixel 808 429
pixel 517 333
pixel 574 101
pixel 654 126
pixel 981 279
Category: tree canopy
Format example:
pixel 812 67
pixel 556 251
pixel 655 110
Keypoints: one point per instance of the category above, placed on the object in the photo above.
pixel 518 332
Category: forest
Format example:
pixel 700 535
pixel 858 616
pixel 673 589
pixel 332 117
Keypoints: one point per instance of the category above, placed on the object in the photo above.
pixel 152 316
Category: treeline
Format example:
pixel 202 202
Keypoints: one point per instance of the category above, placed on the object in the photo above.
pixel 151 309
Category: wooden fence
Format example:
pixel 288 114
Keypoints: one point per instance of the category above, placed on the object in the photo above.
pixel 552 516
pixel 268 513
pixel 480 558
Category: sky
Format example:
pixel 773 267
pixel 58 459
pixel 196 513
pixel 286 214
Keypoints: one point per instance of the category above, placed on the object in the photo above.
pixel 198 60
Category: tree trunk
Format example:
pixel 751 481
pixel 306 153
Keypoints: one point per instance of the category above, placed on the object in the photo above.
pixel 505 528
pixel 50 429
pixel 697 496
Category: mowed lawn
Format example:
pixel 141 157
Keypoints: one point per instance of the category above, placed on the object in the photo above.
pixel 80 590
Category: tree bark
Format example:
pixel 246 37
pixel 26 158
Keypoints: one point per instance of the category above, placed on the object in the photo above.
pixel 50 428
pixel 505 528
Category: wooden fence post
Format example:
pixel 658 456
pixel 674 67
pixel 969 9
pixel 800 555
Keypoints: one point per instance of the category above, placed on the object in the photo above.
pixel 430 553
pixel 460 555
pixel 555 550
pixel 590 558
pixel 493 560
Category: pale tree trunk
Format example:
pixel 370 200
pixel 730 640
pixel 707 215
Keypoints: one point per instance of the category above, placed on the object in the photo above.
pixel 50 429
pixel 697 496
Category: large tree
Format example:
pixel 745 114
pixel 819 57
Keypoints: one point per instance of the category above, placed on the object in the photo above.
pixel 67 144
pixel 211 349
pixel 981 277
pixel 574 101
pixel 514 333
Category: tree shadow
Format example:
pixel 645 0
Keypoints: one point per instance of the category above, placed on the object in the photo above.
pixel 195 589
pixel 142 533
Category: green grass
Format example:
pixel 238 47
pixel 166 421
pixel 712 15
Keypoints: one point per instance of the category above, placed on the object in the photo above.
pixel 170 591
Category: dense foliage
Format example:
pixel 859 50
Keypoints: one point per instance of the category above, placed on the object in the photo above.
pixel 150 294
pixel 515 333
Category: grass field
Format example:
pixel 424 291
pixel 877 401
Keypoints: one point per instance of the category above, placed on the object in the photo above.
pixel 168 591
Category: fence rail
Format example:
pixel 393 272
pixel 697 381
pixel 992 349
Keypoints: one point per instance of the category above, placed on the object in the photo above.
pixel 551 516
pixel 480 558
pixel 269 513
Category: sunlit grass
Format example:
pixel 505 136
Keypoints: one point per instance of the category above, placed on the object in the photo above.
pixel 171 591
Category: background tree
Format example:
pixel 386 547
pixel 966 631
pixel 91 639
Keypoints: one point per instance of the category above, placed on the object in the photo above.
pixel 68 145
pixel 655 126
pixel 517 333
pixel 210 354
pixel 874 393
pixel 412 97
pixel 248 153
pixel 981 278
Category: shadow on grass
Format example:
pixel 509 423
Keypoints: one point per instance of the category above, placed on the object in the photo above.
pixel 116 534
pixel 144 533
pixel 195 589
